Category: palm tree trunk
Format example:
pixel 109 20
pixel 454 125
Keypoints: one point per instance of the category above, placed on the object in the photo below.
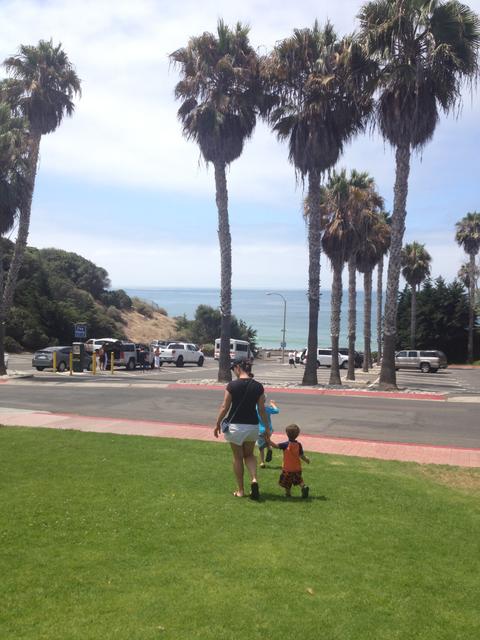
pixel 352 315
pixel 367 320
pixel 388 378
pixel 471 314
pixel 3 369
pixel 20 243
pixel 225 241
pixel 314 248
pixel 379 309
pixel 413 318
pixel 335 321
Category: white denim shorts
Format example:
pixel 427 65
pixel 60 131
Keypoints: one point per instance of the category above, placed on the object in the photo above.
pixel 240 433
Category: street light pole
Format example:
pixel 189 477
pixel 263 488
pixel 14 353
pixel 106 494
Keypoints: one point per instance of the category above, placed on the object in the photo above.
pixel 284 344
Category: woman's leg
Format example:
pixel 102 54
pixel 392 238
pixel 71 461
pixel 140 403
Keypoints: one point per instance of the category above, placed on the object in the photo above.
pixel 238 467
pixel 250 459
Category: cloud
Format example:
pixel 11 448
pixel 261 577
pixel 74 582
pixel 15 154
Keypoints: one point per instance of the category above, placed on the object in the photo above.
pixel 125 136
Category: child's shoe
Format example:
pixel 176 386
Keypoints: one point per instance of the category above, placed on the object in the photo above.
pixel 305 491
pixel 268 457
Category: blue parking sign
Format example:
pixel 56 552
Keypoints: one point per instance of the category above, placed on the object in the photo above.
pixel 80 330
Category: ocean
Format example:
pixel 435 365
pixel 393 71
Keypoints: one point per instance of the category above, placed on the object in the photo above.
pixel 265 313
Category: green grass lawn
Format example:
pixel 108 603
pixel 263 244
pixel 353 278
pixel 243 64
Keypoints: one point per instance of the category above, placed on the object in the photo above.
pixel 113 537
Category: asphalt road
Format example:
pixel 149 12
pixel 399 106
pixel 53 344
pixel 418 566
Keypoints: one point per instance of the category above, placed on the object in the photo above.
pixel 451 381
pixel 427 422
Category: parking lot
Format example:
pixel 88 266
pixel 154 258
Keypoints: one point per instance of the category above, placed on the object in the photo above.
pixel 272 372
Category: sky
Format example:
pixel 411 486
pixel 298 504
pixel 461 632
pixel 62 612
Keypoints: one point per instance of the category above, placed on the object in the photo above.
pixel 118 183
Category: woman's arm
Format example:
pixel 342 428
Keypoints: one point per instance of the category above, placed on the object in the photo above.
pixel 224 409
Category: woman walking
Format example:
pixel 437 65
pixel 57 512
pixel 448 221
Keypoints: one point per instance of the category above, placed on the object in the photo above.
pixel 242 396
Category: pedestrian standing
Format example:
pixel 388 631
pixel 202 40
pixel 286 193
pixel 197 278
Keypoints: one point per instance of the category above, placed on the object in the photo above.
pixel 101 361
pixel 240 429
pixel 291 359
pixel 157 358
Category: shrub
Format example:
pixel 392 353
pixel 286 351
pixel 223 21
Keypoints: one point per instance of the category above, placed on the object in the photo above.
pixel 143 307
pixel 11 345
pixel 115 314
pixel 35 339
pixel 208 349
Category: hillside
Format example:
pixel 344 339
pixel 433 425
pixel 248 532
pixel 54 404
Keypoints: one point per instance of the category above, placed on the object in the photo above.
pixel 57 289
pixel 140 328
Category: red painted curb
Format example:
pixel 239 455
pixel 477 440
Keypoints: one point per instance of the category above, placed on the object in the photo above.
pixel 394 395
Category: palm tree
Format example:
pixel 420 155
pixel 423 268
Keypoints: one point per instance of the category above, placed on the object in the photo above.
pixel 468 237
pixel 425 50
pixel 363 202
pixel 220 91
pixel 41 89
pixel 415 269
pixel 464 276
pixel 339 243
pixel 12 187
pixel 321 95
pixel 373 245
pixel 388 221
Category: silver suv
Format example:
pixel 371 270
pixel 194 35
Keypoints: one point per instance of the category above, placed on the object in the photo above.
pixel 426 361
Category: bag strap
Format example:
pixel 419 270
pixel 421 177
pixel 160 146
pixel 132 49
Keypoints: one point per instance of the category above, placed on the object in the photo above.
pixel 241 401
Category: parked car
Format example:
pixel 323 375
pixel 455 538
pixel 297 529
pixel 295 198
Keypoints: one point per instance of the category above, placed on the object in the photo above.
pixel 43 358
pixel 94 344
pixel 358 357
pixel 425 361
pixel 124 353
pixel 180 353
pixel 159 344
pixel 324 358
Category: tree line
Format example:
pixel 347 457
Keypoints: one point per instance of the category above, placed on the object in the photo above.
pixel 406 63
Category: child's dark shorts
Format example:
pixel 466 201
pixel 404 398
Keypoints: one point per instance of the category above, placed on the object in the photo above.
pixel 289 478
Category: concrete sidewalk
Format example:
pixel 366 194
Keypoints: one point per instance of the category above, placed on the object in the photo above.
pixel 407 452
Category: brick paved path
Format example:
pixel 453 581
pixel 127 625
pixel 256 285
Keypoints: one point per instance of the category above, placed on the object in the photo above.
pixel 425 454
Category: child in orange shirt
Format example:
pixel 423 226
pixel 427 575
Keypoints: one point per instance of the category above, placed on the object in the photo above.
pixel 292 466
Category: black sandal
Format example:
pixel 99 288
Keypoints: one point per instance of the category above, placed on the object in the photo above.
pixel 305 491
pixel 268 457
pixel 255 491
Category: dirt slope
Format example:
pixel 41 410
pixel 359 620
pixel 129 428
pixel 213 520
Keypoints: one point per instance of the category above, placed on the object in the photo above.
pixel 139 328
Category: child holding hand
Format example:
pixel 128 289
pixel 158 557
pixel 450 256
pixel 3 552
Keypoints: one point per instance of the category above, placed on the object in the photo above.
pixel 292 466
pixel 262 442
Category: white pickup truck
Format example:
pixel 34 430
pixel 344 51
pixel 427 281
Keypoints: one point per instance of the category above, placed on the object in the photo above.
pixel 180 353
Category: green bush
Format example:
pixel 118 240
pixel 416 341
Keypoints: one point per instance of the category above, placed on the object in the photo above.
pixel 11 345
pixel 55 290
pixel 208 349
pixel 115 314
pixel 35 339
pixel 143 307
